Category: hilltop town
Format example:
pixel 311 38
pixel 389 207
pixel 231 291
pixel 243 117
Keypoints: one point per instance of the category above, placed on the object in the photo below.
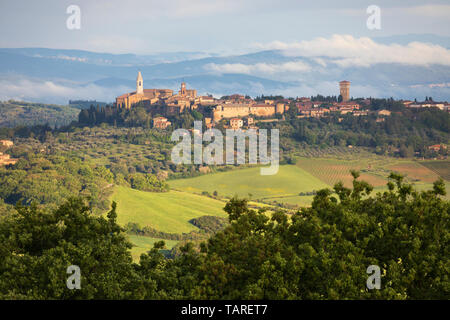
pixel 237 111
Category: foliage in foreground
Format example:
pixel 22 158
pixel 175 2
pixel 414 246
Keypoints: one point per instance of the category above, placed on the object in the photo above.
pixel 320 252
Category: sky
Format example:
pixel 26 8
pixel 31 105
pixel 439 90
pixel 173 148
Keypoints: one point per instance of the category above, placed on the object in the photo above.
pixel 322 30
pixel 214 26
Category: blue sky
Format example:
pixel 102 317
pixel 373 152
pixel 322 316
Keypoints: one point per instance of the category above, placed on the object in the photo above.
pixel 332 35
pixel 220 26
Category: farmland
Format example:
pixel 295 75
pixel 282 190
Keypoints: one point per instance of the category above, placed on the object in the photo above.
pixel 168 211
pixel 374 170
pixel 171 211
pixel 331 171
pixel 307 175
pixel 441 168
pixel 290 180
pixel 144 244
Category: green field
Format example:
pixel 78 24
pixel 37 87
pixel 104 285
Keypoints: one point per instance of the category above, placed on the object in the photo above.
pixel 311 174
pixel 440 167
pixel 302 201
pixel 289 181
pixel 144 244
pixel 331 171
pixel 167 211
pixel 171 211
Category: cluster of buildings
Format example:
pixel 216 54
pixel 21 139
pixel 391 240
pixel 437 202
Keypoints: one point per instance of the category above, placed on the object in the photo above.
pixel 233 108
pixel 427 104
pixel 236 108
pixel 161 122
pixel 181 100
pixel 238 123
pixel 316 109
pixel 307 108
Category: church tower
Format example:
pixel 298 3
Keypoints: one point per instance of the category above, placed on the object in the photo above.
pixel 183 89
pixel 139 84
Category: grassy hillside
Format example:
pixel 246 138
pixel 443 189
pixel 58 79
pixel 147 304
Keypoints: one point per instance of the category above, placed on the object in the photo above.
pixel 311 174
pixel 171 211
pixel 144 244
pixel 302 201
pixel 290 180
pixel 16 113
pixel 168 211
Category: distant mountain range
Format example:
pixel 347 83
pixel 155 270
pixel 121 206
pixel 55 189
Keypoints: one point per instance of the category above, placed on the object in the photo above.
pixel 57 76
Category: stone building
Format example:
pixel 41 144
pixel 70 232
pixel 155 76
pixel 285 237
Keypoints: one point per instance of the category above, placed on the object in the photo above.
pixel 149 96
pixel 233 110
pixel 344 87
pixel 191 93
pixel 5 159
pixel 384 112
pixel 184 99
pixel 279 108
pixel 437 147
pixel 234 106
pixel 236 123
pixel 7 143
pixel 161 123
pixel 205 101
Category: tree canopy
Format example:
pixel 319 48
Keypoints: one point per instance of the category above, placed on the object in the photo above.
pixel 320 252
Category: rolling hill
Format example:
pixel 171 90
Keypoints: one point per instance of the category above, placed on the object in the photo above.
pixel 168 212
pixel 19 113
pixel 290 180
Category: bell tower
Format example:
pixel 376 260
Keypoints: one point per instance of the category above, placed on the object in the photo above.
pixel 139 84
pixel 183 89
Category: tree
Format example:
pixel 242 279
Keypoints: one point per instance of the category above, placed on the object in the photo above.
pixel 324 252
pixel 406 151
pixel 292 111
pixel 320 252
pixel 38 247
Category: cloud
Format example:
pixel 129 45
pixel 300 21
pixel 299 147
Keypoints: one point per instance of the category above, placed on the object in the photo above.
pixel 432 85
pixel 431 10
pixel 411 12
pixel 347 50
pixel 27 89
pixel 258 68
pixel 151 9
pixel 320 61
